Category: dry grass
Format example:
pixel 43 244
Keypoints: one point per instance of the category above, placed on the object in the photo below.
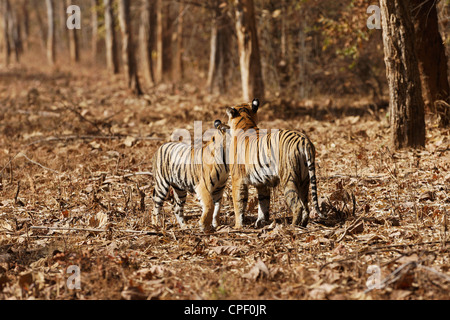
pixel 61 168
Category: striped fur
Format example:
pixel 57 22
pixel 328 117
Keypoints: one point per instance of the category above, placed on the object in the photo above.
pixel 202 171
pixel 266 159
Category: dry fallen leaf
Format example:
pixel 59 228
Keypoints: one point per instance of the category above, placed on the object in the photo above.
pixel 258 271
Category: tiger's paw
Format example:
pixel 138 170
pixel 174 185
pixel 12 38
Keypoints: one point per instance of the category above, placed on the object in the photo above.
pixel 260 223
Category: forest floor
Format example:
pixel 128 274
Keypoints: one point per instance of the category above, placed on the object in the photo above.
pixel 72 143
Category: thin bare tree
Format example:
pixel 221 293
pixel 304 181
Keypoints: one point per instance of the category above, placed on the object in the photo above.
pixel 51 50
pixel 112 59
pixel 128 51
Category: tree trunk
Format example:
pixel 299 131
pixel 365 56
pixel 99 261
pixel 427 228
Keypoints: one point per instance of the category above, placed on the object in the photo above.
pixel 145 43
pixel 214 52
pixel 6 8
pixel 432 58
pixel 73 40
pixel 15 34
pixel 128 52
pixel 51 55
pixel 159 41
pixel 26 23
pixel 177 70
pixel 112 59
pixel 249 56
pixel 94 23
pixel 219 47
pixel 406 102
pixel 41 24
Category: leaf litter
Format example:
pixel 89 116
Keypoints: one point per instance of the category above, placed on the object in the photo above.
pixel 88 167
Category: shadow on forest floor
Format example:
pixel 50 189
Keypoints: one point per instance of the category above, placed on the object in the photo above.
pixel 328 110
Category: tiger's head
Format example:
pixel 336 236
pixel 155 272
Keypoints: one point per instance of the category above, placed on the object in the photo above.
pixel 243 116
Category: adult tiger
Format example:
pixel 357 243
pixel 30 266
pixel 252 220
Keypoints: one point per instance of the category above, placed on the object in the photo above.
pixel 201 170
pixel 266 159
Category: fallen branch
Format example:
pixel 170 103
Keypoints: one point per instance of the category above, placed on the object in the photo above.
pixel 21 154
pixel 148 233
pixel 90 137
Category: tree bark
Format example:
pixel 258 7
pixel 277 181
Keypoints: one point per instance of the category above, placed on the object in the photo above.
pixel 432 59
pixel 51 51
pixel 249 56
pixel 112 59
pixel 406 103
pixel 128 52
pixel 145 43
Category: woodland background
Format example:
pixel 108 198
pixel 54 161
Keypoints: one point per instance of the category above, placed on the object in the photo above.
pixel 82 115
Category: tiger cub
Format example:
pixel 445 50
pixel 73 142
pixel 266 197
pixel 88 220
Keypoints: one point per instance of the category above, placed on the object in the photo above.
pixel 202 171
pixel 267 159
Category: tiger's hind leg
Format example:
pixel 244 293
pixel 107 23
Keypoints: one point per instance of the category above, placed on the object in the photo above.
pixel 217 199
pixel 304 193
pixel 240 200
pixel 180 200
pixel 263 206
pixel 297 204
pixel 160 194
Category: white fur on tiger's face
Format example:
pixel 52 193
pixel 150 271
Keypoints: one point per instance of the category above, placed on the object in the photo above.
pixel 199 170
pixel 266 159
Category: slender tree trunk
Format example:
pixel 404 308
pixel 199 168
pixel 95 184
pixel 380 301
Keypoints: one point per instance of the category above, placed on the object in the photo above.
pixel 41 24
pixel 26 23
pixel 112 59
pixel 432 58
pixel 212 73
pixel 94 23
pixel 51 51
pixel 15 34
pixel 74 49
pixel 406 102
pixel 219 47
pixel 177 70
pixel 128 52
pixel 159 41
pixel 6 8
pixel 249 56
pixel 145 43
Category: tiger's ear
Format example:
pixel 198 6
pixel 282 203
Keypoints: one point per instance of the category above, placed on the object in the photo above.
pixel 221 127
pixel 255 105
pixel 232 112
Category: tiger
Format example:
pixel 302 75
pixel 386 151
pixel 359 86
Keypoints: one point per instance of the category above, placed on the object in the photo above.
pixel 202 171
pixel 266 160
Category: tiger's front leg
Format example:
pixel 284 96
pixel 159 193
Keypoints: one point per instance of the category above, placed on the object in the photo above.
pixel 208 207
pixel 240 199
pixel 263 206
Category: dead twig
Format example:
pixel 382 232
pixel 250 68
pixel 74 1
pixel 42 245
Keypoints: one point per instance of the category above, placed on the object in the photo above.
pixel 136 232
pixel 21 154
pixel 90 137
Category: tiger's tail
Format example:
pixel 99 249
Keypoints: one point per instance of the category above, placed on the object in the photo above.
pixel 310 158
